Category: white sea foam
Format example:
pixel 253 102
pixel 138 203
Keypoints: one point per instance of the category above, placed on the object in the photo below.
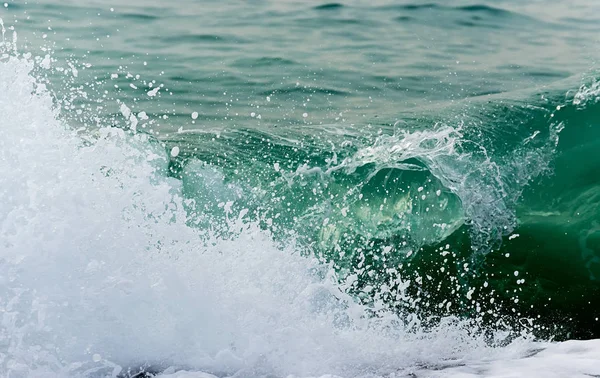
pixel 99 272
pixel 573 359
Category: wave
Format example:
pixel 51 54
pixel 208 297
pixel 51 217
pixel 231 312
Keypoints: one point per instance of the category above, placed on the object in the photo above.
pixel 102 273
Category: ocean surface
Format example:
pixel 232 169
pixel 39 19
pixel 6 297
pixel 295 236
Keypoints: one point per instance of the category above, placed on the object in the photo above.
pixel 269 188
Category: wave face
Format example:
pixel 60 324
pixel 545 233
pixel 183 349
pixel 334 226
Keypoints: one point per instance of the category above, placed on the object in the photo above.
pixel 244 210
pixel 509 189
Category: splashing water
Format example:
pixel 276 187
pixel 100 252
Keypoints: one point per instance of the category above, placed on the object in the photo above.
pixel 100 271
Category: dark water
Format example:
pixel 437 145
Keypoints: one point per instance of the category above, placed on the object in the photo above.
pixel 454 144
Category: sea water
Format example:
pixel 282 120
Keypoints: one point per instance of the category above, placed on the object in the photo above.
pixel 263 188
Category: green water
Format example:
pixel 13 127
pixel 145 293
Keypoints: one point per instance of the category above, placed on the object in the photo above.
pixel 453 143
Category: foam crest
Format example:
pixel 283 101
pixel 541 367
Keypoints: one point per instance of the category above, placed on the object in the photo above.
pixel 587 93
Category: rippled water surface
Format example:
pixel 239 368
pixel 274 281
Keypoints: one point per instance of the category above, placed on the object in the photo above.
pixel 374 62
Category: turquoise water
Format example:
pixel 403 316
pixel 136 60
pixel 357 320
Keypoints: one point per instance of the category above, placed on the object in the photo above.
pixel 441 159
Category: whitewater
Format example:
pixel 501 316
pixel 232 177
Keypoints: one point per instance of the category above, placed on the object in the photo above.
pixel 101 276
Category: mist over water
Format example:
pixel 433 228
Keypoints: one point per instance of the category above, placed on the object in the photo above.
pixel 282 189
